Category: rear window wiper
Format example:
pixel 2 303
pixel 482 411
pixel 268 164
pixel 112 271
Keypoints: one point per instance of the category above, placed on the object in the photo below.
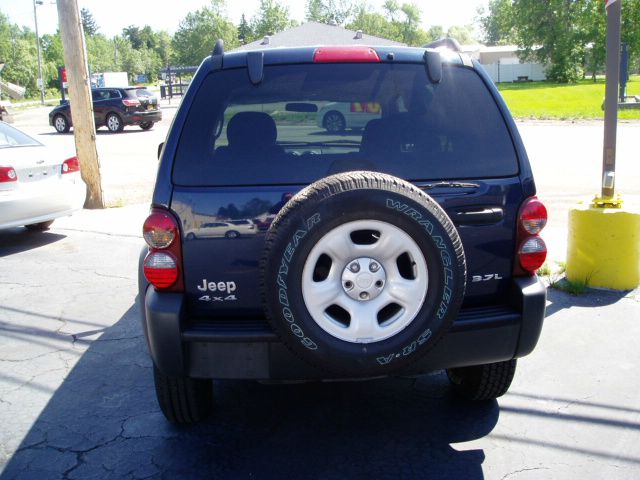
pixel 431 186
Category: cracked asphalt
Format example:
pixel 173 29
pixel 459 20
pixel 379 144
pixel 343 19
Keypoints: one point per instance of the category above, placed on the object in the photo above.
pixel 77 398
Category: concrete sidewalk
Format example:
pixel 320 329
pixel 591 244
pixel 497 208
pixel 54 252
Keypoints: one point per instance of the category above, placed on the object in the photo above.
pixel 121 221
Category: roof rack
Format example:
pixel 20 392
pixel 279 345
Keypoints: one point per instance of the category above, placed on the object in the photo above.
pixel 450 43
pixel 217 54
pixel 218 49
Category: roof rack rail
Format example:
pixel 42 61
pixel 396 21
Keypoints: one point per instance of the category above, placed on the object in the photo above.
pixel 450 43
pixel 218 49
pixel 217 55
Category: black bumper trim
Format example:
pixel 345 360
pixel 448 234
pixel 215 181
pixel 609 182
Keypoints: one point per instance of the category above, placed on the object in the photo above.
pixel 244 348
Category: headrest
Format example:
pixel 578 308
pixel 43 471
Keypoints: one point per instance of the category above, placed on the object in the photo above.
pixel 251 128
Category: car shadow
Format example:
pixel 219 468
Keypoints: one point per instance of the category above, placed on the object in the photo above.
pixel 19 239
pixel 127 130
pixel 103 422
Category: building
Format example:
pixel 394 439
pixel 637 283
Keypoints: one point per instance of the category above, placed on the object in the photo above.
pixel 314 33
pixel 503 65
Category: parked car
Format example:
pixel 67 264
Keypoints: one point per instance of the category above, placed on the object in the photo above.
pixel 114 108
pixel 336 117
pixel 37 185
pixel 411 249
pixel 226 229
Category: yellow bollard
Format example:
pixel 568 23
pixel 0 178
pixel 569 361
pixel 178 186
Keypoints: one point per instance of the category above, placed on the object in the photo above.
pixel 603 248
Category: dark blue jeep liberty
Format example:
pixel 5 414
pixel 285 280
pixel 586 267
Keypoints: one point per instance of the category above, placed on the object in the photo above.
pixel 339 213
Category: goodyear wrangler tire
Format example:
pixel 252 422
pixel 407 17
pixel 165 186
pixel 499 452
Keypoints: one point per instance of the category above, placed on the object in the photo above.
pixel 362 274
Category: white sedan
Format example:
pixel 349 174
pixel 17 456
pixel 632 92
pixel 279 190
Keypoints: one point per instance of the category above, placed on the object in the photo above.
pixel 338 116
pixel 36 185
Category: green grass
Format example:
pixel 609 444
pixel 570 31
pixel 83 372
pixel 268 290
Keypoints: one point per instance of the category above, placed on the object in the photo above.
pixel 555 277
pixel 546 100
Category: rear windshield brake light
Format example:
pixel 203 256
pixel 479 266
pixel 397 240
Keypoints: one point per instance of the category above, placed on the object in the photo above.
pixel 345 55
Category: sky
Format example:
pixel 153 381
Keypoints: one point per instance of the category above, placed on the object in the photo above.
pixel 112 16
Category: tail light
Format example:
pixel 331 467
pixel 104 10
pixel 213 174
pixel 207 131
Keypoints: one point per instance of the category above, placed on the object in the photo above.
pixel 8 174
pixel 71 165
pixel 163 264
pixel 532 251
pixel 130 102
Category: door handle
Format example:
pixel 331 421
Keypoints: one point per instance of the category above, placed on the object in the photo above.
pixel 477 215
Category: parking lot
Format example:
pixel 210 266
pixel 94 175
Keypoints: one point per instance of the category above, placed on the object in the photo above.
pixel 76 389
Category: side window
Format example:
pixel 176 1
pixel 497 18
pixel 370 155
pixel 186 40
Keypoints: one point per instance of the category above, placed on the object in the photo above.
pixel 114 94
pixel 100 95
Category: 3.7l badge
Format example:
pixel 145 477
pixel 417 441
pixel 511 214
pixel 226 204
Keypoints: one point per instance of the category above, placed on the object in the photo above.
pixel 486 277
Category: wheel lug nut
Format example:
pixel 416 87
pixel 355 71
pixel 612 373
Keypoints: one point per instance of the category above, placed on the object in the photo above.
pixel 348 285
pixel 354 267
pixel 364 295
pixel 374 267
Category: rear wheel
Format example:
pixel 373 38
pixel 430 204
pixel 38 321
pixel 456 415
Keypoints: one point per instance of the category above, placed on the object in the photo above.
pixel 183 400
pixel 39 227
pixel 61 124
pixel 334 122
pixel 483 382
pixel 114 123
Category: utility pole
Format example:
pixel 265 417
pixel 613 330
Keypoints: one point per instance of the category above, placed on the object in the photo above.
pixel 75 59
pixel 614 14
pixel 40 77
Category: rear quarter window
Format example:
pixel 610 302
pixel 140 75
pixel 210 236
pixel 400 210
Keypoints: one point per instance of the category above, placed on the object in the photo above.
pixel 304 122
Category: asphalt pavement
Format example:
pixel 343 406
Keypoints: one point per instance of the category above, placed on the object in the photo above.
pixel 77 399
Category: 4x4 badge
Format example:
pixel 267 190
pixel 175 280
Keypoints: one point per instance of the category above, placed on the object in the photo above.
pixel 209 298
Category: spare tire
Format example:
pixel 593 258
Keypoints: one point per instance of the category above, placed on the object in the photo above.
pixel 362 274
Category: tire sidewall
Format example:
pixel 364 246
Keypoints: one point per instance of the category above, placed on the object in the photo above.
pixel 117 118
pixel 64 124
pixel 300 230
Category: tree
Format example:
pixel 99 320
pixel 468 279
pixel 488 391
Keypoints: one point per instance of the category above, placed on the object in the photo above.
pixel 399 22
pixel 567 35
pixel 550 32
pixel 498 23
pixel 373 23
pixel 326 11
pixel 88 22
pixel 436 32
pixel 197 34
pixel 271 18
pixel 463 34
pixel 409 26
pixel 18 53
pixel 133 34
pixel 244 31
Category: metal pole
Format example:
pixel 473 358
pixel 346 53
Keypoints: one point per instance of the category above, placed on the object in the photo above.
pixel 35 18
pixel 611 98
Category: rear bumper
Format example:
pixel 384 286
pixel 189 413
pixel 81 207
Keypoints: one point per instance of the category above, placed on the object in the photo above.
pixel 249 349
pixel 41 202
pixel 137 118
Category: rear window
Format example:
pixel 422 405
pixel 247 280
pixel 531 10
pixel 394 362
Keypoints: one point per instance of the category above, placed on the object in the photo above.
pixel 304 122
pixel 143 93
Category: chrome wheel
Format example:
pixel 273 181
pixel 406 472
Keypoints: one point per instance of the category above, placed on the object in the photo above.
pixel 60 124
pixel 365 281
pixel 334 122
pixel 114 124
